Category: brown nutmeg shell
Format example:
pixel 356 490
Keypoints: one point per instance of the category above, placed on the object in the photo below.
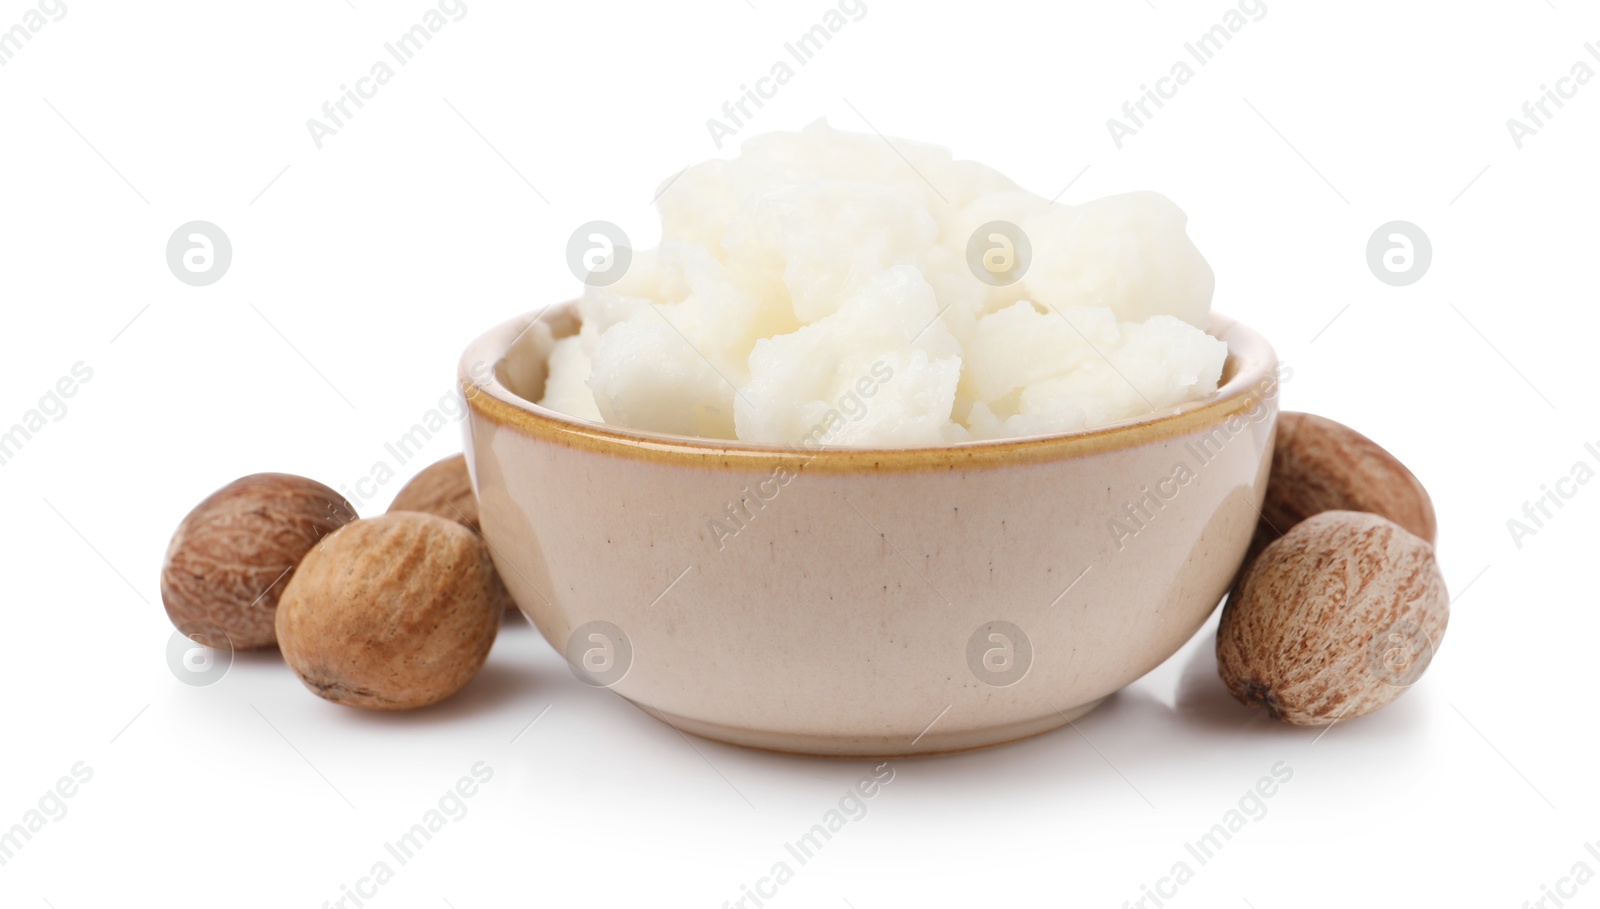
pixel 391 613
pixel 443 488
pixel 1321 465
pixel 1335 620
pixel 232 557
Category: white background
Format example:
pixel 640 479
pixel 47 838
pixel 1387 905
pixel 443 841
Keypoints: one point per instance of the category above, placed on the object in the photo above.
pixel 361 271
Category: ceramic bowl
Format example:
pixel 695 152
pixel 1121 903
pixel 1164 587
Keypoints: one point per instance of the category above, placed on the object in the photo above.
pixel 864 602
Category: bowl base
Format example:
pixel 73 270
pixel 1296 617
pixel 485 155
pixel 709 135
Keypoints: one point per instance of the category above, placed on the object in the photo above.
pixel 869 747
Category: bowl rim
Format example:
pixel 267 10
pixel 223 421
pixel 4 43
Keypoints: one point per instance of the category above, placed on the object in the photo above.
pixel 1254 378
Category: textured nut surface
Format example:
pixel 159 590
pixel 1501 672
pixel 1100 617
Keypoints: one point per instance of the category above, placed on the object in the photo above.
pixel 444 489
pixel 232 556
pixel 1334 620
pixel 391 613
pixel 1319 465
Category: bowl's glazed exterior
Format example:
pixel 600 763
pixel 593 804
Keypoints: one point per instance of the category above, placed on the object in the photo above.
pixel 865 602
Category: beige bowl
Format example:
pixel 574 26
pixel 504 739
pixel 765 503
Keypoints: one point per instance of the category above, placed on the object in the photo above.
pixel 864 602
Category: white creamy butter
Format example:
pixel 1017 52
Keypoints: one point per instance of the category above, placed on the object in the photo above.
pixel 816 290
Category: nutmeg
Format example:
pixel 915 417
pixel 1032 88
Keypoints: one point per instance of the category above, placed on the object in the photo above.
pixel 391 613
pixel 1321 465
pixel 232 557
pixel 443 488
pixel 1334 620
